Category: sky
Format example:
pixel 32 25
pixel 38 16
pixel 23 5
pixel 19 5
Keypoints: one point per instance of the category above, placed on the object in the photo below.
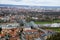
pixel 32 2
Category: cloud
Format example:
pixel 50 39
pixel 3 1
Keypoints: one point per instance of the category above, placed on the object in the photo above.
pixel 32 2
pixel 16 0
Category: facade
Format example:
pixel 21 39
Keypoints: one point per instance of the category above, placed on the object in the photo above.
pixel 30 34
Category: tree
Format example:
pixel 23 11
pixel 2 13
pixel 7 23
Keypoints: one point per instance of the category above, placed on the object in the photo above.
pixel 54 37
pixel 0 30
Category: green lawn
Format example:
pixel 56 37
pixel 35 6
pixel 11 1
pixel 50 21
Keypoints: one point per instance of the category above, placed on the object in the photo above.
pixel 43 22
pixel 56 20
pixel 57 29
pixel 46 22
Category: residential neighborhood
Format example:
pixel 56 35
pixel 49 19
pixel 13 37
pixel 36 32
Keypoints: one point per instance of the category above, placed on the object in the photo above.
pixel 29 22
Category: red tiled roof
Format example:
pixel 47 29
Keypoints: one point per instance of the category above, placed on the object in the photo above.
pixel 31 30
pixel 2 35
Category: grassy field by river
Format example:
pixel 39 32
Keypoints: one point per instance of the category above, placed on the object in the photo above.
pixel 56 29
pixel 47 22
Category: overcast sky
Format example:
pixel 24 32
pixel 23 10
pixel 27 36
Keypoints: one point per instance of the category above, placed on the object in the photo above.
pixel 32 2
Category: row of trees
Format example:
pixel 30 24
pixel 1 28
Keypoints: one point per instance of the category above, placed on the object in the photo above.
pixel 55 37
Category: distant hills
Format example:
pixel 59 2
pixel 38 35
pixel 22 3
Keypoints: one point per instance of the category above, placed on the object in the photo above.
pixel 27 6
